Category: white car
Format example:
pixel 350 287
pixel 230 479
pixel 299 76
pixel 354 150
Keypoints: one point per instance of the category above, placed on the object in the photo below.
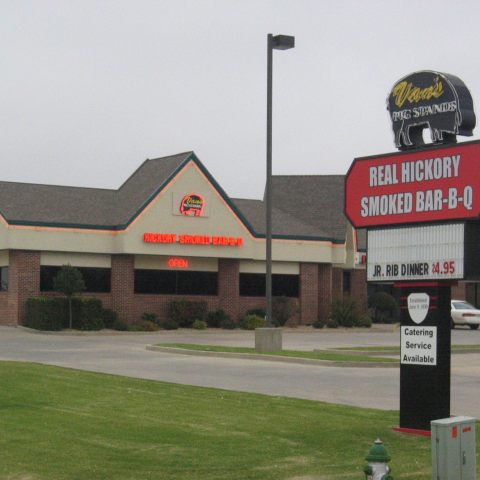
pixel 464 314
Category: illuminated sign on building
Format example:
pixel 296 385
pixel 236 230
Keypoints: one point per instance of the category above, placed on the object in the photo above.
pixel 423 186
pixel 175 262
pixel 192 205
pixel 183 239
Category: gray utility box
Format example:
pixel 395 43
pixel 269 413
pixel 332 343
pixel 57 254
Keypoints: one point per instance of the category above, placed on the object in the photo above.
pixel 453 449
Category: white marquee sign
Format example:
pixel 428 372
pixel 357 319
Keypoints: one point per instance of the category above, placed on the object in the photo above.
pixel 433 252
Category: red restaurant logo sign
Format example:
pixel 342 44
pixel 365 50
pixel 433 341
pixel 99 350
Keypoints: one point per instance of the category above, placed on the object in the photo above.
pixel 192 205
pixel 423 186
pixel 217 241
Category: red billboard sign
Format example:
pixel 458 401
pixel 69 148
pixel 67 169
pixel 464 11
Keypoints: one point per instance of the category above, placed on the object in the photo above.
pixel 437 184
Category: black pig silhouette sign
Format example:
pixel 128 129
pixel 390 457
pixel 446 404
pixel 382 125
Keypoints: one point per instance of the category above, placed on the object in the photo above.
pixel 434 100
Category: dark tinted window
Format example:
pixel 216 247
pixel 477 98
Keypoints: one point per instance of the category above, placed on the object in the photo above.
pixel 96 280
pixel 3 279
pixel 347 277
pixel 175 282
pixel 253 285
pixel 155 281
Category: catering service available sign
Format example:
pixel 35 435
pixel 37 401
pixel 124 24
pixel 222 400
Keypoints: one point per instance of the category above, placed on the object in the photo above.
pixel 437 184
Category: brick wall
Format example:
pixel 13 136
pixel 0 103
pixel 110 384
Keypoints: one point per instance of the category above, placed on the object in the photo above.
pixel 122 292
pixel 358 290
pixel 325 290
pixel 459 291
pixel 23 283
pixel 5 316
pixel 229 286
pixel 337 283
pixel 308 293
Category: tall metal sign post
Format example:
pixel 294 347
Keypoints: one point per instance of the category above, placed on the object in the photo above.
pixel 421 208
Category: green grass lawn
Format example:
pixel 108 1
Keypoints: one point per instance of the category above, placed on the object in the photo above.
pixel 66 424
pixel 317 355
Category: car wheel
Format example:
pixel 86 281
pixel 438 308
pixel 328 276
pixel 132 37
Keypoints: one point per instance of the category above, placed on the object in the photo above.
pixel 473 327
pixel 452 324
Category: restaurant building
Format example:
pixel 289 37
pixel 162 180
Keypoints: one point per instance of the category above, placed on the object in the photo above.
pixel 171 232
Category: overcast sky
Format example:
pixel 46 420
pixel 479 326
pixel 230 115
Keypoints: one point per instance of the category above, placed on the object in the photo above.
pixel 90 89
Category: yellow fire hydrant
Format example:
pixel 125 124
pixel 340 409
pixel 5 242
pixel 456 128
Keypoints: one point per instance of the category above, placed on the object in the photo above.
pixel 377 458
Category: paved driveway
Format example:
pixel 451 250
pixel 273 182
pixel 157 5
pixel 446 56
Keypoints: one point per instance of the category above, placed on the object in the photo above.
pixel 125 354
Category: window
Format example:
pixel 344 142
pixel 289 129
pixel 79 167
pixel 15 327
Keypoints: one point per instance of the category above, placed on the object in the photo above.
pixel 173 282
pixel 97 280
pixel 347 282
pixel 3 279
pixel 254 285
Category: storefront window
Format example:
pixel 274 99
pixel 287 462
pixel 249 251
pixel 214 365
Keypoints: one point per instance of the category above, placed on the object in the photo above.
pixel 97 280
pixel 347 282
pixel 173 282
pixel 3 279
pixel 253 285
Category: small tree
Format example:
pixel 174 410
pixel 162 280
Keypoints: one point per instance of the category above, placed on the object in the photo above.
pixel 69 281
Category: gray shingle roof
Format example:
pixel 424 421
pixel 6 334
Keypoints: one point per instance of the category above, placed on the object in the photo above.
pixel 303 206
pixel 23 203
pixel 283 224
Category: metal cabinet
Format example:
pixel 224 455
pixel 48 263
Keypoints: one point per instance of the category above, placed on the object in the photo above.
pixel 453 449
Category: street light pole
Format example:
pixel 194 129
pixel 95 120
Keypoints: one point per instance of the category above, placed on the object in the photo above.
pixel 279 42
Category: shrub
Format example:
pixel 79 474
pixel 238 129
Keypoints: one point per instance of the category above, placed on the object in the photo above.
pixel 384 307
pixel 319 324
pixel 251 322
pixel 259 312
pixel 51 313
pixel 169 325
pixel 185 312
pixel 43 313
pixel 216 317
pixel 150 317
pixel 365 320
pixel 120 325
pixel 69 281
pixel 109 317
pixel 199 325
pixel 143 326
pixel 87 314
pixel 135 327
pixel 332 323
pixel 344 312
pixel 228 324
pixel 282 309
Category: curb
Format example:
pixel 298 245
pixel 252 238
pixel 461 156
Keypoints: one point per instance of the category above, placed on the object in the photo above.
pixel 271 358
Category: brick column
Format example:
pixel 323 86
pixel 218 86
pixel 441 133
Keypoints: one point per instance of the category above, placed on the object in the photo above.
pixel 308 293
pixel 337 283
pixel 459 291
pixel 325 291
pixel 229 286
pixel 23 283
pixel 123 278
pixel 358 291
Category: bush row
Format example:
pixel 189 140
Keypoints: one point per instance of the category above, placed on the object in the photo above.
pixel 345 312
pixel 45 313
pixel 51 313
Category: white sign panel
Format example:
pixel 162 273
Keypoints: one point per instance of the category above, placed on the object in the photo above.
pixel 418 346
pixel 418 304
pixel 431 252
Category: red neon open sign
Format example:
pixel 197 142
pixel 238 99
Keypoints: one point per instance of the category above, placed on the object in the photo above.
pixel 175 262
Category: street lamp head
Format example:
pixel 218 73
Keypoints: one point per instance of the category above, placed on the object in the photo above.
pixel 283 42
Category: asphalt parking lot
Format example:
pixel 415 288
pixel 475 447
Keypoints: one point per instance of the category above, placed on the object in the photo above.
pixel 125 354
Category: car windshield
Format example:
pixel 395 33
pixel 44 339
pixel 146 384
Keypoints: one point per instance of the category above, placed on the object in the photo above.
pixel 463 306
